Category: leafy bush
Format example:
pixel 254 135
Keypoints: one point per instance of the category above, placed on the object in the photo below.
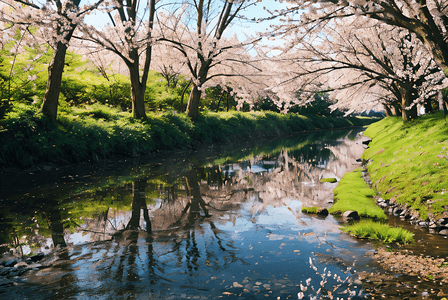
pixel 95 132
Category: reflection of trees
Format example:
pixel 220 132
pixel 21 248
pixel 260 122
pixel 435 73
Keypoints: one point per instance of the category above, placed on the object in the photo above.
pixel 128 252
pixel 195 222
pixel 168 225
pixel 192 203
pixel 54 220
pixel 138 205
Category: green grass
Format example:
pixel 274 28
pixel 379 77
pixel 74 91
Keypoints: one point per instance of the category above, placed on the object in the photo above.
pixel 377 231
pixel 354 194
pixel 331 180
pixel 96 132
pixel 409 162
pixel 310 210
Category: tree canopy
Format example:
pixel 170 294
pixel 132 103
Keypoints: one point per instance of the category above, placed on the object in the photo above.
pixel 357 55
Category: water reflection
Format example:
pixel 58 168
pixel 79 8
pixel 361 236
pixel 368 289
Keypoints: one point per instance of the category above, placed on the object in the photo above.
pixel 191 227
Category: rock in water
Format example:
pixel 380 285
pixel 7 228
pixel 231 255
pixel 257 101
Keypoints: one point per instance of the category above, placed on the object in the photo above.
pixel 350 215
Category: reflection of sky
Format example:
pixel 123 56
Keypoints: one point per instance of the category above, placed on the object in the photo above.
pixel 257 238
pixel 256 169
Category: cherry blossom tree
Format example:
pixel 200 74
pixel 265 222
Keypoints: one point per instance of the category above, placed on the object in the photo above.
pixel 427 19
pixel 130 36
pixel 58 21
pixel 195 29
pixel 363 63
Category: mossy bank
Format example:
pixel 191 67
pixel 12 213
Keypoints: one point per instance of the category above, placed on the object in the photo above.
pixel 97 132
pixel 408 167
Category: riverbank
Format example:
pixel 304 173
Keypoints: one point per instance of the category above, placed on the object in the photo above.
pixel 98 132
pixel 408 167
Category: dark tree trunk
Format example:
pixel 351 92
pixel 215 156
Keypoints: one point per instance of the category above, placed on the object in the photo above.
pixel 181 108
pixel 137 94
pixel 388 110
pixel 219 101
pixel 57 229
pixel 407 100
pixel 193 103
pixel 397 110
pixel 138 203
pixel 428 106
pixel 55 70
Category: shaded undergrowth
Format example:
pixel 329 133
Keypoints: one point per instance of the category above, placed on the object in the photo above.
pixel 96 132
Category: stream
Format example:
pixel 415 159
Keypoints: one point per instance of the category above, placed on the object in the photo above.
pixel 223 222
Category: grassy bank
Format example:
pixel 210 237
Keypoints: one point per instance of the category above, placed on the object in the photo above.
pixel 377 231
pixel 409 163
pixel 96 132
pixel 353 193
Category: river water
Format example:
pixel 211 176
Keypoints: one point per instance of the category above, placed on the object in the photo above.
pixel 220 223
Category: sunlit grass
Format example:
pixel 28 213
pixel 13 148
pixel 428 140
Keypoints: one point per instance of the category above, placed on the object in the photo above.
pixel 310 210
pixel 330 180
pixel 410 162
pixel 354 194
pixel 377 231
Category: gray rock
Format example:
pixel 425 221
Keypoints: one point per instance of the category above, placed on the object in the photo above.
pixel 20 265
pixel 10 262
pixel 415 215
pixel 37 257
pixel 397 210
pixel 17 271
pixel 322 212
pixel 5 271
pixel 443 232
pixel 423 224
pixel 442 221
pixel 35 266
pixel 366 140
pixel 433 225
pixel 350 215
pixel 6 282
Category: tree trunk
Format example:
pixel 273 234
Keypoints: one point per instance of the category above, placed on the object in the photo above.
pixel 219 101
pixel 193 103
pixel 388 110
pixel 428 106
pixel 137 94
pixel 397 110
pixel 138 203
pixel 55 70
pixel 183 93
pixel 407 99
pixel 57 229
